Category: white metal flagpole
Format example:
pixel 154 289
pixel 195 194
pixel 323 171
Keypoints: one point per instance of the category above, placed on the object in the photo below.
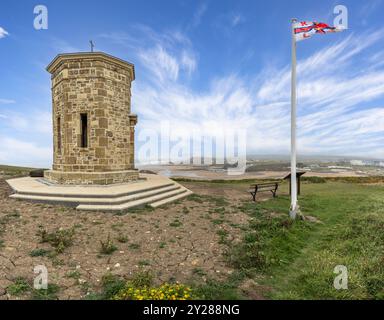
pixel 294 206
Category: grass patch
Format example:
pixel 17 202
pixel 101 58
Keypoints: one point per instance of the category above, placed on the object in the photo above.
pixel 144 263
pixel 217 221
pixel 75 274
pixel 19 287
pixel 107 247
pixel 46 294
pixel 59 239
pixel 314 179
pixel 122 238
pixel 12 171
pixel 113 284
pixel 223 234
pixel 162 245
pixel 217 290
pixel 176 223
pixel 134 246
pixel 142 279
pixel 185 210
pixel 269 240
pixel 298 257
pixel 199 272
pixel 39 253
pixel 22 287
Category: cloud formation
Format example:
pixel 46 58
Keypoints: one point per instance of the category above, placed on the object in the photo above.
pixel 19 152
pixel 338 92
pixel 7 101
pixel 3 33
pixel 337 110
pixel 198 15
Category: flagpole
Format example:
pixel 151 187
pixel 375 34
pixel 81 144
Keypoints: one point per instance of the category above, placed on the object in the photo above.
pixel 294 206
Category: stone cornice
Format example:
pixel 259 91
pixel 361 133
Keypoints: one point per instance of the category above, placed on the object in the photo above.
pixel 90 55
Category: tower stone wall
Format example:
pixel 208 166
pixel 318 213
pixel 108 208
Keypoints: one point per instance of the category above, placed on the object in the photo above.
pixel 93 128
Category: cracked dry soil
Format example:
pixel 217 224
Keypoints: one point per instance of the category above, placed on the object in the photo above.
pixel 178 242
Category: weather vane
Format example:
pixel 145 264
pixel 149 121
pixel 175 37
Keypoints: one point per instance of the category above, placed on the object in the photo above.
pixel 92 45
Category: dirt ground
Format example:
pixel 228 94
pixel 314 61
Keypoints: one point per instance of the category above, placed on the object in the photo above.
pixel 179 242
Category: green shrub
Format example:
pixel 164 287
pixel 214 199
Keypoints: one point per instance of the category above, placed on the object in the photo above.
pixel 39 253
pixel 59 239
pixel 134 246
pixel 112 284
pixel 142 279
pixel 176 223
pixel 107 247
pixel 46 294
pixel 122 238
pixel 19 287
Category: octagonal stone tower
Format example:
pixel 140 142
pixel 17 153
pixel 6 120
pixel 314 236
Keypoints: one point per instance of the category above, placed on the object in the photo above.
pixel 93 128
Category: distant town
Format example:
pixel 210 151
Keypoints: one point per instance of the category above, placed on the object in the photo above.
pixel 272 166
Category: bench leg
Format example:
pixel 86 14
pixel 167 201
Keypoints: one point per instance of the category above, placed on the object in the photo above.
pixel 274 193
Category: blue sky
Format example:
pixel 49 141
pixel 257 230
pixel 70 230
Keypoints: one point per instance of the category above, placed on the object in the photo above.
pixel 211 64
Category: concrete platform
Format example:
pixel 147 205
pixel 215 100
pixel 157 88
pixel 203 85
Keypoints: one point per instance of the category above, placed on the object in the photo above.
pixel 150 189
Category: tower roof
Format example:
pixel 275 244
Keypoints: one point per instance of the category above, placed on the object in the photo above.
pixel 90 55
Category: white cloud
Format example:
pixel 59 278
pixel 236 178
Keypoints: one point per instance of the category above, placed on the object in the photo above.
pixel 198 15
pixel 7 101
pixel 36 122
pixel 62 46
pixel 162 64
pixel 368 8
pixel 166 55
pixel 3 33
pixel 25 153
pixel 331 95
pixel 237 19
pixel 338 112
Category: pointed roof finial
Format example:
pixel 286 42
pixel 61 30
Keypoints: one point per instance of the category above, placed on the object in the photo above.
pixel 92 45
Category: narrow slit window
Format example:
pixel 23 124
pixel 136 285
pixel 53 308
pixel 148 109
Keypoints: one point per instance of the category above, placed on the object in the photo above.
pixel 58 134
pixel 84 130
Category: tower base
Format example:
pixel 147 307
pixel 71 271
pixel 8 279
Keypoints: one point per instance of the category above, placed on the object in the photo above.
pixel 151 189
pixel 91 178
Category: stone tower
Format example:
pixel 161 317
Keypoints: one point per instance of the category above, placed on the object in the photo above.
pixel 93 128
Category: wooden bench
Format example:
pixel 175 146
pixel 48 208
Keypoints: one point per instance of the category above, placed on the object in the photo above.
pixel 260 187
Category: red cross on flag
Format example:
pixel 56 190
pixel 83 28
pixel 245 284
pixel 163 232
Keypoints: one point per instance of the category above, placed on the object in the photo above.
pixel 306 29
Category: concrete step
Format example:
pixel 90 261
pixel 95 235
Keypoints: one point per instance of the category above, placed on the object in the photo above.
pixel 73 192
pixel 171 199
pixel 101 200
pixel 135 203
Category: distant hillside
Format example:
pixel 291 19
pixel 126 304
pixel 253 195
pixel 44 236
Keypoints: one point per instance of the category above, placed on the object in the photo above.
pixel 12 171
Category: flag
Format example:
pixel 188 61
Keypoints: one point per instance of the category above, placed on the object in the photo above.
pixel 306 29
